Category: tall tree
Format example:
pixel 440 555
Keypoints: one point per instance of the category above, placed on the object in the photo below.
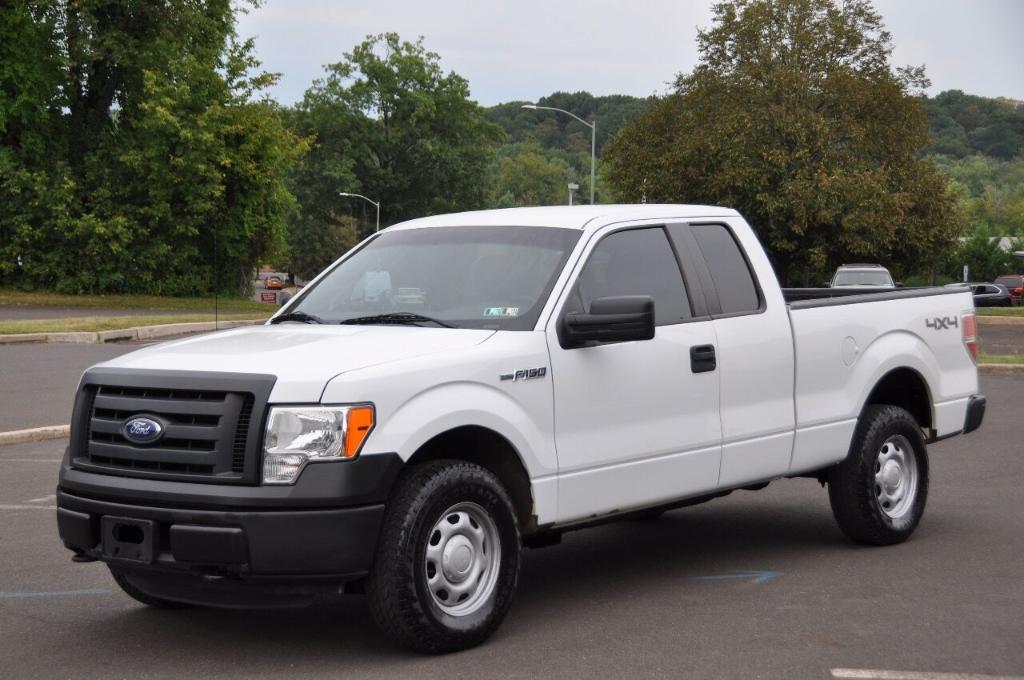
pixel 139 129
pixel 795 117
pixel 387 122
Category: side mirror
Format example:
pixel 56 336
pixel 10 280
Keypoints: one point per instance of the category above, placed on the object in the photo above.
pixel 611 319
pixel 899 284
pixel 283 297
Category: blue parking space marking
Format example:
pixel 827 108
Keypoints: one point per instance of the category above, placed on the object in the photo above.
pixel 753 576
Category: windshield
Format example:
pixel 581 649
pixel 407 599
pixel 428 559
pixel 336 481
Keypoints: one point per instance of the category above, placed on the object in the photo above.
pixel 467 277
pixel 862 277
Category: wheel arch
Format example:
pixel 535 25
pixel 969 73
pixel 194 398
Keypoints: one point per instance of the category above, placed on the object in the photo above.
pixel 907 388
pixel 492 451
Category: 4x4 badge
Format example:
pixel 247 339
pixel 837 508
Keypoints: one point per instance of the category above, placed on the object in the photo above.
pixel 941 323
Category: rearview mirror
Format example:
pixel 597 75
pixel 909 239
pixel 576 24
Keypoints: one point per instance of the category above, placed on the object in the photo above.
pixel 612 319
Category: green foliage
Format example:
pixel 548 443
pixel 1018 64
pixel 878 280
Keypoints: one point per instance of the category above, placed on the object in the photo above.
pixel 388 123
pixel 794 116
pixel 134 146
pixel 561 139
pixel 991 191
pixel 984 257
pixel 527 176
pixel 963 124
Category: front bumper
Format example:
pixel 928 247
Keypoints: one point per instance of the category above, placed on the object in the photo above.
pixel 230 545
pixel 235 543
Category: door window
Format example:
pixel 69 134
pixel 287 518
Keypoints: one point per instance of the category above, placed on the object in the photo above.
pixel 635 262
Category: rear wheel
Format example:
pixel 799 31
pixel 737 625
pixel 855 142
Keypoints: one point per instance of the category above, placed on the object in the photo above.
pixel 878 493
pixel 123 579
pixel 447 560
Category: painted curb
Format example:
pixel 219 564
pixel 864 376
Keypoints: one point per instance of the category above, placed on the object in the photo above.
pixel 135 333
pixel 1000 320
pixel 35 434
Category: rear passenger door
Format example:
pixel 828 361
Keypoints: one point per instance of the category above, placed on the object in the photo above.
pixel 634 423
pixel 755 350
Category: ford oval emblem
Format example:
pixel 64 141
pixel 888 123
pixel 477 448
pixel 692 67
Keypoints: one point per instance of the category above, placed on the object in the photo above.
pixel 142 430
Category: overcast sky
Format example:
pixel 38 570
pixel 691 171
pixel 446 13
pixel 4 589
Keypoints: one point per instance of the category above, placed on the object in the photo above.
pixel 526 49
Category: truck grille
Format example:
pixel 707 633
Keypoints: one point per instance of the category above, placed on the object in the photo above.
pixel 209 432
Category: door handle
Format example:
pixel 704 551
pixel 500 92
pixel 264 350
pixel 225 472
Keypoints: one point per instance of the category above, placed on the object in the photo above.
pixel 702 358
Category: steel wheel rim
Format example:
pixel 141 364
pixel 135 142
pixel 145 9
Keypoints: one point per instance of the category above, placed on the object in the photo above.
pixel 462 558
pixel 896 477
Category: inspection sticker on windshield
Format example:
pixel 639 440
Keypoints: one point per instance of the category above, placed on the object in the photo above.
pixel 501 311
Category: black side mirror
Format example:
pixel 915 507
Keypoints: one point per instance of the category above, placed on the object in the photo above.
pixel 283 297
pixel 611 319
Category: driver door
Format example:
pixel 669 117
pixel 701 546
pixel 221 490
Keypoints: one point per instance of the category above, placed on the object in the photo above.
pixel 636 423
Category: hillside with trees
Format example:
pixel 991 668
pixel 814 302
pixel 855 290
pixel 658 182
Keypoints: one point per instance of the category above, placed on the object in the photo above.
pixel 139 151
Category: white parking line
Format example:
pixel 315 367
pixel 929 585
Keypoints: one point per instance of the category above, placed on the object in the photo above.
pixel 868 674
pixel 28 507
pixel 51 461
pixel 43 499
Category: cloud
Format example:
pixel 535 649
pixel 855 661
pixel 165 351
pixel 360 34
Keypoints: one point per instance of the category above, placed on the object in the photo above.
pixel 527 49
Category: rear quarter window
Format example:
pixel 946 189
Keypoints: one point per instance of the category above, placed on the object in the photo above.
pixel 734 282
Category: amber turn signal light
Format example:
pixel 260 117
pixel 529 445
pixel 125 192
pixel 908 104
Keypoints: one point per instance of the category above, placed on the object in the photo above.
pixel 359 423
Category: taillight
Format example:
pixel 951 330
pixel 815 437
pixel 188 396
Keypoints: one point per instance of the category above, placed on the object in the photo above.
pixel 970 331
pixel 1018 290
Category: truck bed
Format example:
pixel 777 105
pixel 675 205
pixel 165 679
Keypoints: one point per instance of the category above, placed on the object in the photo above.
pixel 844 340
pixel 802 298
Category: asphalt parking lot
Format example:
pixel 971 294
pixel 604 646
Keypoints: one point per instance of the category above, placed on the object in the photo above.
pixel 755 585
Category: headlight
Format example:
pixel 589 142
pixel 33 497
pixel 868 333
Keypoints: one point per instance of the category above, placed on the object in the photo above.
pixel 297 435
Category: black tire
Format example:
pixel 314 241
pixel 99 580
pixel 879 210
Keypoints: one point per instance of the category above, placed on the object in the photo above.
pixel 123 580
pixel 854 492
pixel 397 591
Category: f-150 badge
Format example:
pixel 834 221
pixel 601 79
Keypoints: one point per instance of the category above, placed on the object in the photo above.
pixel 525 374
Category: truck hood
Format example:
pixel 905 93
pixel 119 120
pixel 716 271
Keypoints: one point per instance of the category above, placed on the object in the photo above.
pixel 303 357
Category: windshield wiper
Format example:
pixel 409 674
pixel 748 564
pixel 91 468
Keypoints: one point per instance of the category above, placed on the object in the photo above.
pixel 297 316
pixel 397 318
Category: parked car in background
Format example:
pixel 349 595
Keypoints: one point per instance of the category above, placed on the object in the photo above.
pixel 274 283
pixel 862 276
pixel 987 294
pixel 1015 284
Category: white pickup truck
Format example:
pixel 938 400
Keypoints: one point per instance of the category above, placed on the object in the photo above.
pixel 458 386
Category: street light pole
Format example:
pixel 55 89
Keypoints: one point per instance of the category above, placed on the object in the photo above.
pixel 593 139
pixel 368 200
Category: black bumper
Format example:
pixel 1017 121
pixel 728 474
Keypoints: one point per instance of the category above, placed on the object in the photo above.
pixel 236 543
pixel 230 544
pixel 975 413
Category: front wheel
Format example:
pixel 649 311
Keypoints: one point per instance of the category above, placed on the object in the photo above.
pixel 447 560
pixel 878 493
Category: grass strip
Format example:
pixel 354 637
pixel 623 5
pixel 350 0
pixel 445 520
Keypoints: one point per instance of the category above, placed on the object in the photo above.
pixel 1001 311
pixel 1000 358
pixel 193 305
pixel 109 323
